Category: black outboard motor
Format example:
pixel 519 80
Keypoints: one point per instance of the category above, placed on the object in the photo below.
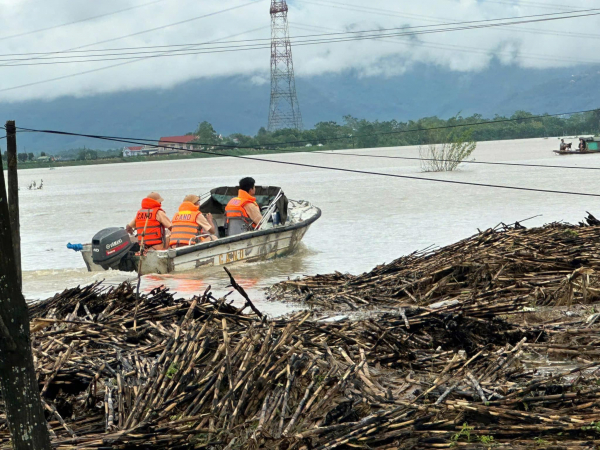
pixel 112 248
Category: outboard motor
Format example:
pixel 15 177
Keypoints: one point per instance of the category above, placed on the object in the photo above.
pixel 112 248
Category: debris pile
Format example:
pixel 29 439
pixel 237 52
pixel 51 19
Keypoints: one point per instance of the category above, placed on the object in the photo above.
pixel 460 361
pixel 199 373
pixel 554 265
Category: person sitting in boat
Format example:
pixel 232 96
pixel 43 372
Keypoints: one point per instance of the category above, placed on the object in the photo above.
pixel 190 226
pixel 242 213
pixel 582 145
pixel 151 223
pixel 564 146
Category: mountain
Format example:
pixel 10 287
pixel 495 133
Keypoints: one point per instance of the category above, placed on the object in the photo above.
pixel 236 104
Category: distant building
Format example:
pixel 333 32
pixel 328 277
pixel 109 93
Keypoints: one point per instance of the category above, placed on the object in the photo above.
pixel 177 143
pixel 45 158
pixel 129 152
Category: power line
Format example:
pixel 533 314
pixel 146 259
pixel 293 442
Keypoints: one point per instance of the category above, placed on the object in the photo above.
pixel 465 49
pixel 297 41
pixel 340 33
pixel 112 66
pixel 87 19
pixel 156 28
pixel 531 4
pixel 162 27
pixel 338 169
pixel 440 20
pixel 389 12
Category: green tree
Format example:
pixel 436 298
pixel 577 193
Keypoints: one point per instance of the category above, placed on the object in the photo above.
pixel 241 139
pixel 207 134
pixel 367 136
pixel 264 137
pixel 43 154
pixel 30 156
pixel 22 157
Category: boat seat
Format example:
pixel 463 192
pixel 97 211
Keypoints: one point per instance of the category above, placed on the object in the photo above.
pixel 237 226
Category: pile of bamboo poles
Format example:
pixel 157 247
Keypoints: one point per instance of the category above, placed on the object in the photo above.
pixel 554 265
pixel 167 373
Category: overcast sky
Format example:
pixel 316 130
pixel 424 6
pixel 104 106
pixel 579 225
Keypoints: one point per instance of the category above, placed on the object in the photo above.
pixel 28 26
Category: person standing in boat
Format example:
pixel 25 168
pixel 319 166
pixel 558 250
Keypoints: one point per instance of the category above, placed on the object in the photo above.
pixel 151 223
pixel 242 213
pixel 190 225
pixel 582 145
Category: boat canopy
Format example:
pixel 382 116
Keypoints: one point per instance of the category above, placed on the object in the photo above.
pixel 219 197
pixel 592 143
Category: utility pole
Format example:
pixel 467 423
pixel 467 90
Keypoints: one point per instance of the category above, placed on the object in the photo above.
pixel 284 111
pixel 20 389
pixel 13 196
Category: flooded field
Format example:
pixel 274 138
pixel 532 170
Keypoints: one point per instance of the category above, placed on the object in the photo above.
pixel 367 220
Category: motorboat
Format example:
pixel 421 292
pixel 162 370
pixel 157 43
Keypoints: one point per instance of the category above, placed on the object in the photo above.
pixel 592 145
pixel 285 222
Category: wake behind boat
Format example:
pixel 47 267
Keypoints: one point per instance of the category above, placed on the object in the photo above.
pixel 285 223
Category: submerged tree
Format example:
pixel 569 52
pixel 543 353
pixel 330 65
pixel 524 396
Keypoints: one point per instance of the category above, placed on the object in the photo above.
pixel 20 390
pixel 444 154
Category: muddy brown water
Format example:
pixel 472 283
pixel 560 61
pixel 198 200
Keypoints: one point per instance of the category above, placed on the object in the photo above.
pixel 367 220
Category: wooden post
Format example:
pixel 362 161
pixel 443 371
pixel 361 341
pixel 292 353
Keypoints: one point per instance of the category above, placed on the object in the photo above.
pixel 20 390
pixel 13 195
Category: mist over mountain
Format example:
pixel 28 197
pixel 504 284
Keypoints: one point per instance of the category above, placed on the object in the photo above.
pixel 239 104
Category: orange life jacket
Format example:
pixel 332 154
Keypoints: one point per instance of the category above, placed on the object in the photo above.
pixel 185 225
pixel 146 220
pixel 235 207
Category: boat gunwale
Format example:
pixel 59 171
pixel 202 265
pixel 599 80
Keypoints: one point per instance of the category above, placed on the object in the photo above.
pixel 242 237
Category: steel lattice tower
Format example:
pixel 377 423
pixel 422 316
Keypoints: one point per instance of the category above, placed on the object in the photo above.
pixel 284 111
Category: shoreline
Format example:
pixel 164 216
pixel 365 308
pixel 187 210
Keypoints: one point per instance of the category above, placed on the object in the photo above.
pixel 237 152
pixel 121 160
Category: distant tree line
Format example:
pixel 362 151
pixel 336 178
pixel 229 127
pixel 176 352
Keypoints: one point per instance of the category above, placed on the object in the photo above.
pixel 361 133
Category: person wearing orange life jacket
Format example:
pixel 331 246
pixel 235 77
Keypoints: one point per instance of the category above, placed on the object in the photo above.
pixel 189 223
pixel 151 223
pixel 242 213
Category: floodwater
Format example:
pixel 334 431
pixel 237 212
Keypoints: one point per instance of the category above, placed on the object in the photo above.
pixel 367 220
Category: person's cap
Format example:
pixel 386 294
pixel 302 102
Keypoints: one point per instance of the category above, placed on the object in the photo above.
pixel 192 198
pixel 155 196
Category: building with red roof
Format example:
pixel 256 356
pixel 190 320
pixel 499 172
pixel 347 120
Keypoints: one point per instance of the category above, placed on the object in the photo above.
pixel 177 143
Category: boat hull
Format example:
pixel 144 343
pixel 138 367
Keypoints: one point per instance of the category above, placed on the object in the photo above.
pixel 585 152
pixel 249 250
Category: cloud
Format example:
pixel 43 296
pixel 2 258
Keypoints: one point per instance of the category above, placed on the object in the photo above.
pixel 259 80
pixel 535 45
